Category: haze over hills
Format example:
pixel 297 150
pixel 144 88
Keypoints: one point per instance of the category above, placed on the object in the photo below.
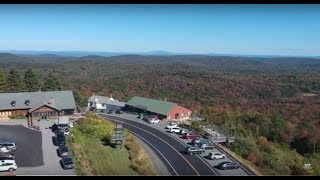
pixel 149 53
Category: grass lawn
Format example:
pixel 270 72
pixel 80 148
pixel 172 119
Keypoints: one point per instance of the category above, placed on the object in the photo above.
pixel 105 160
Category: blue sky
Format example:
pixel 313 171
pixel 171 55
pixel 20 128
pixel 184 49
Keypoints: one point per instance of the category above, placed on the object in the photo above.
pixel 230 29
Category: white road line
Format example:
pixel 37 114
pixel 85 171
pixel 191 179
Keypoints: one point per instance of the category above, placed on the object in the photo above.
pixel 178 140
pixel 156 150
pixel 204 161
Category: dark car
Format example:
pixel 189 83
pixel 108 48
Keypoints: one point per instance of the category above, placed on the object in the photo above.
pixel 63 151
pixel 199 141
pixel 67 163
pixel 119 112
pixel 194 150
pixel 55 128
pixel 227 165
pixel 60 138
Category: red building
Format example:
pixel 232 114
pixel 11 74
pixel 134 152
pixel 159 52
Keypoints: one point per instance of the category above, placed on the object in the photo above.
pixel 166 110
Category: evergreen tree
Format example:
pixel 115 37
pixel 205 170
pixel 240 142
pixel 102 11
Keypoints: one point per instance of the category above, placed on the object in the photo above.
pixel 14 81
pixel 51 84
pixel 2 82
pixel 31 82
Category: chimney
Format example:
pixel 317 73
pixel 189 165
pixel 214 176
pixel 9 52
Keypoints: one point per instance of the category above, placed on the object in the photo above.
pixel 51 102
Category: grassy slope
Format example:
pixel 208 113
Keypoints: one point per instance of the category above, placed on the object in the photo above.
pixel 101 160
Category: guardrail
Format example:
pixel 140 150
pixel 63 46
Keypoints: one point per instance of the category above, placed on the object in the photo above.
pixel 245 169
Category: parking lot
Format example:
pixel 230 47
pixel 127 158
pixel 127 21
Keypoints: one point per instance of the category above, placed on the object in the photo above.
pixel 161 127
pixel 36 154
pixel 29 144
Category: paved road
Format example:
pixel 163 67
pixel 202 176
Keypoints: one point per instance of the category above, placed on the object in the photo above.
pixel 169 150
pixel 158 164
pixel 161 127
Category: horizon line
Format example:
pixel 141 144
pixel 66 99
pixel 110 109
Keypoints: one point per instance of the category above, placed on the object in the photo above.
pixel 162 51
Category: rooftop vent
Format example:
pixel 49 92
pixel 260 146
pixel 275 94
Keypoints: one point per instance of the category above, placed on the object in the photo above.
pixel 27 102
pixel 13 103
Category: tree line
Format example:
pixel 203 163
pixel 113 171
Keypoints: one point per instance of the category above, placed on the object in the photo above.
pixel 13 81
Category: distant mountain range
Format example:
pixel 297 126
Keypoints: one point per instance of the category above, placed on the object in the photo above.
pixel 150 53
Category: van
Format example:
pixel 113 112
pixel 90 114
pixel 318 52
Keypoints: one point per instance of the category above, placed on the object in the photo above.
pixel 11 145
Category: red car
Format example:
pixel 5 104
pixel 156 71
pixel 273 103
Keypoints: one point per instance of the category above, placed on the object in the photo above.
pixel 191 136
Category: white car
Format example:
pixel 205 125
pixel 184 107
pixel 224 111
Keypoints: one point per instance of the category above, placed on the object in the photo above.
pixel 171 125
pixel 216 155
pixel 175 129
pixel 8 165
pixel 154 121
pixel 4 150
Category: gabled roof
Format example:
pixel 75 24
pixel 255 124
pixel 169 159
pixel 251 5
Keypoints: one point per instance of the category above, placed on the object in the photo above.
pixel 100 99
pixel 152 105
pixel 107 100
pixel 57 99
pixel 41 105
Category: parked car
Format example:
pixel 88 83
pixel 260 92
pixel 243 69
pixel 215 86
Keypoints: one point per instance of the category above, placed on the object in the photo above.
pixel 8 165
pixel 4 156
pixel 216 155
pixel 63 151
pixel 175 129
pixel 6 150
pixel 119 112
pixel 227 165
pixel 60 138
pixel 171 125
pixel 153 121
pixel 194 150
pixel 182 131
pixel 110 112
pixel 206 146
pixel 8 144
pixel 67 163
pixel 191 136
pixel 199 141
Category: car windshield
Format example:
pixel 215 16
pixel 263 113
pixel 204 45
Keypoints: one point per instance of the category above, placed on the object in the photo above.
pixel 60 136
pixel 67 161
pixel 64 149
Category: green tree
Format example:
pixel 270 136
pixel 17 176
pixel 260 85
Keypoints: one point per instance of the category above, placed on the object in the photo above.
pixel 14 81
pixel 51 84
pixel 2 82
pixel 31 82
pixel 80 99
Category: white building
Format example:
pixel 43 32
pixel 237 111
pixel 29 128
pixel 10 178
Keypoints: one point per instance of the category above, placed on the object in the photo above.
pixel 104 103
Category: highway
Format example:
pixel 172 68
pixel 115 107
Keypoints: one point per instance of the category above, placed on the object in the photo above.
pixel 169 150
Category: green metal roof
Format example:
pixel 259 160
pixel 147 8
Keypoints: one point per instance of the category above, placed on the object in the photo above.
pixel 152 105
